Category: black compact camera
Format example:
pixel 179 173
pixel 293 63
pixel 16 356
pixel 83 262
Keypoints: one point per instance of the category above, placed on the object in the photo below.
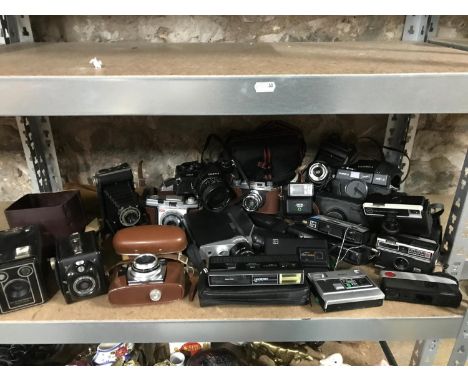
pixel 79 267
pixel 340 207
pixel 407 253
pixel 117 198
pixel 366 177
pixel 21 269
pixel 208 182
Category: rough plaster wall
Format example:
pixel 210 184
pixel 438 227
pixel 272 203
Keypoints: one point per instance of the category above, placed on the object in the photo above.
pixel 87 144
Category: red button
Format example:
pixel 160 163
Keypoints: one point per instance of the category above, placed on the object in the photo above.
pixel 390 274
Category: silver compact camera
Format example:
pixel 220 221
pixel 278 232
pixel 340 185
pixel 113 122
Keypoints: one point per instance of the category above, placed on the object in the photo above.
pixel 146 268
pixel 172 208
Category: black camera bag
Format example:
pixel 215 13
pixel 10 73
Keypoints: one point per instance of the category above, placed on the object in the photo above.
pixel 272 152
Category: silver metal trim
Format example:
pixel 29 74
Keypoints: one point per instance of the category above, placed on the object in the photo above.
pixel 424 352
pixel 229 95
pixel 459 354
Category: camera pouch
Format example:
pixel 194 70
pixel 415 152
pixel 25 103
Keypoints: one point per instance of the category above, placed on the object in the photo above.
pixel 272 152
pixel 256 295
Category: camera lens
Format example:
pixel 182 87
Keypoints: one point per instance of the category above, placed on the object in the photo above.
pixel 129 216
pixel 401 264
pixel 172 219
pixel 318 172
pixel 214 194
pixel 241 249
pixel 253 201
pixel 145 263
pixel 84 286
pixel 146 268
pixel 17 289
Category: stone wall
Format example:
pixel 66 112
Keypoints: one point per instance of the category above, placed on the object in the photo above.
pixel 85 144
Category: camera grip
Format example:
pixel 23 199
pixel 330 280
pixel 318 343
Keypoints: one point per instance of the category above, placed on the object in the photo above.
pixel 155 239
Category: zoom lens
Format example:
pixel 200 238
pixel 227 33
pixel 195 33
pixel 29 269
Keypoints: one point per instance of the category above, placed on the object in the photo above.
pixel 253 201
pixel 84 286
pixel 241 249
pixel 129 216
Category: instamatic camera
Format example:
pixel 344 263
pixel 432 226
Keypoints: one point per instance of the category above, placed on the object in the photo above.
pixel 172 208
pixel 21 269
pixel 79 267
pixel 117 198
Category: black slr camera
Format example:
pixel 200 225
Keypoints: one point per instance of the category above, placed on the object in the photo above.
pixel 79 268
pixel 21 269
pixel 209 182
pixel 117 198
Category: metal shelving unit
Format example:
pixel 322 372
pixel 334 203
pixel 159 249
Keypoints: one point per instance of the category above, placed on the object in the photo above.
pixel 235 79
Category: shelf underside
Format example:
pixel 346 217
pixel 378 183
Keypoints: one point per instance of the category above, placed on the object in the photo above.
pixel 218 79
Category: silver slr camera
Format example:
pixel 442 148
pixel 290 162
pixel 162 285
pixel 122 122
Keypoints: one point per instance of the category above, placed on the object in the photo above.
pixel 172 208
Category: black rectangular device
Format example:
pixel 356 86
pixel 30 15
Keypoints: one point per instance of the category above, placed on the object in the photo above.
pixel 345 289
pixel 440 290
pixel 349 232
pixel 406 253
pixel 22 281
pixel 79 267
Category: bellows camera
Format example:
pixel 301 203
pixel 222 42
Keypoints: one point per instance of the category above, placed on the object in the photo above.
pixel 261 197
pixel 147 279
pixel 407 253
pixel 21 278
pixel 399 213
pixel 209 182
pixel 172 208
pixel 298 199
pixel 79 267
pixel 117 197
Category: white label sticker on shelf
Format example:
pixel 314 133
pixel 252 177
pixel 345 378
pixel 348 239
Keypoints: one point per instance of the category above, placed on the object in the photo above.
pixel 265 87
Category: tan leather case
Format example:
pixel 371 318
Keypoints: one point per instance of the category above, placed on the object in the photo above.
pixel 173 288
pixel 155 239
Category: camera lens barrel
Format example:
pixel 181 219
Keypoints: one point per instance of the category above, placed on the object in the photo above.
pixel 252 201
pixel 241 249
pixel 318 172
pixel 129 216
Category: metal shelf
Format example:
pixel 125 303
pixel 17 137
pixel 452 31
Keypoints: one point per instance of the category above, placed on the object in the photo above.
pixel 221 79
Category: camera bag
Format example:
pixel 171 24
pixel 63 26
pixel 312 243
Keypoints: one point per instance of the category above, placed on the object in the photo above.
pixel 256 295
pixel 272 152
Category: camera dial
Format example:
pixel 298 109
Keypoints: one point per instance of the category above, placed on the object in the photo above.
pixel 129 216
pixel 253 201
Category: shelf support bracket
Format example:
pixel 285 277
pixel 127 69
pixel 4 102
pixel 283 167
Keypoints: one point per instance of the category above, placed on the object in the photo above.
pixel 35 132
pixel 460 350
pixel 424 352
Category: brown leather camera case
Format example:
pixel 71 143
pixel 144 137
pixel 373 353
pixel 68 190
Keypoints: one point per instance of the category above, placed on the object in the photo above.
pixel 155 239
pixel 173 288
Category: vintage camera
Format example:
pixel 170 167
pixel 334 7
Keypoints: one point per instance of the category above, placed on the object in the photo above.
pixel 366 177
pixel 261 197
pixel 117 198
pixel 345 231
pixel 79 267
pixel 298 200
pixel 341 208
pixel 172 208
pixel 209 182
pixel 407 253
pixel 147 279
pixel 21 269
pixel 399 213
pixel 220 234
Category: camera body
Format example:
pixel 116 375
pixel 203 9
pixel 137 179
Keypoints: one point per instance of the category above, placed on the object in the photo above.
pixel 172 208
pixel 298 200
pixel 208 182
pixel 21 269
pixel 79 267
pixel 407 253
pixel 117 197
pixel 341 208
pixel 216 234
pixel 262 197
pixel 147 280
pixel 366 177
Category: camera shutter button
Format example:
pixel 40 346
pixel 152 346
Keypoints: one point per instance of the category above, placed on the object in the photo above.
pixel 155 295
